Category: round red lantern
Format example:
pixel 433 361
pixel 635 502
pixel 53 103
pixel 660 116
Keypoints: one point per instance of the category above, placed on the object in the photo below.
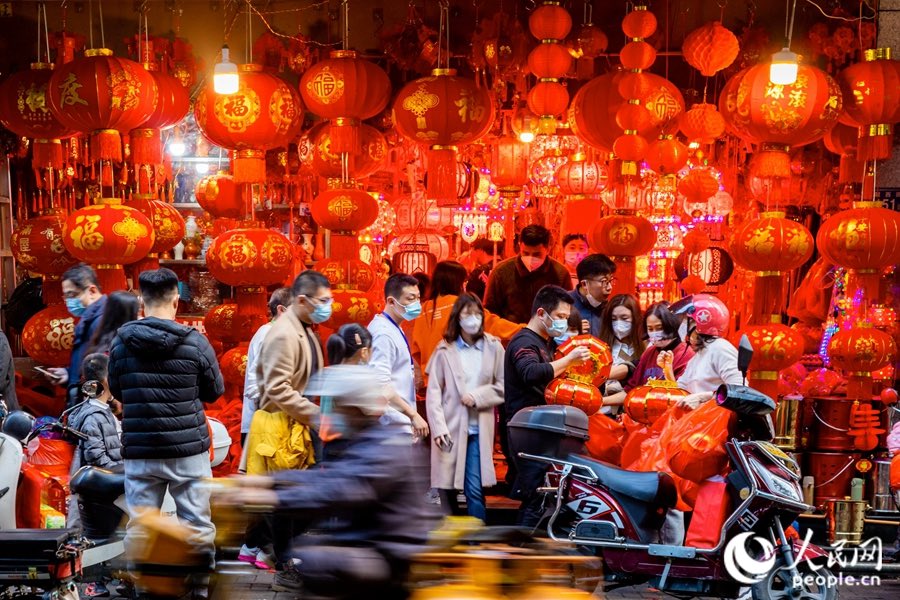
pixel 168 224
pixel 871 91
pixel 550 21
pixel 695 240
pixel 443 111
pixel 221 197
pixel 233 365
pixel 264 113
pixel 630 147
pixel 646 403
pixel 713 265
pixel 37 244
pixel 571 392
pixel 222 324
pixel 623 235
pixel 634 117
pixel 578 177
pixel 344 209
pixel 25 110
pixel 698 185
pixel 317 152
pixel 108 235
pixel 639 23
pixel 596 370
pixel 548 99
pixel 549 60
pixel 771 243
pixel 352 306
pixel 350 272
pixel 702 123
pixel 250 256
pixel 104 95
pixel 345 89
pixel 48 336
pixel 710 48
pixel 775 347
pixel 637 56
pixel 667 155
pixel 173 104
pixel 858 352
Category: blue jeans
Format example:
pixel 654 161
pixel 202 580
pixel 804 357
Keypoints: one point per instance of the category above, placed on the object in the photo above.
pixel 472 483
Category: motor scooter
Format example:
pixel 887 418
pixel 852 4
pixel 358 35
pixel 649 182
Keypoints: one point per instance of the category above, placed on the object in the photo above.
pixel 618 514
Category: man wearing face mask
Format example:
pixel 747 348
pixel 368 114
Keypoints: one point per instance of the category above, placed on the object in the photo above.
pixel 391 355
pixel 85 301
pixel 596 276
pixel 515 282
pixel 528 368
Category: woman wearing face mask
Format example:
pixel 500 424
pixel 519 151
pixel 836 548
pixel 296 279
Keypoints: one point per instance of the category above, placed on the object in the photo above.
pixel 621 329
pixel 661 327
pixel 465 383
pixel 575 248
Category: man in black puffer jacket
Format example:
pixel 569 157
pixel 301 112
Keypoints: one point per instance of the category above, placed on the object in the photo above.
pixel 163 373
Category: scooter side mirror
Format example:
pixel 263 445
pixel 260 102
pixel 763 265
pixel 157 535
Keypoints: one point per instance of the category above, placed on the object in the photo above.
pixel 745 355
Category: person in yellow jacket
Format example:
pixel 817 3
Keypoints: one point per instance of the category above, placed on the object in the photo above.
pixel 446 286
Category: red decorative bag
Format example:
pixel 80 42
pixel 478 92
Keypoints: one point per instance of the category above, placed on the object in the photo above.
pixel 710 511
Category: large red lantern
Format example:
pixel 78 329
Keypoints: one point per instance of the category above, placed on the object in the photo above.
pixel 646 403
pixel 174 103
pixel 317 152
pixel 250 256
pixel 264 113
pixel 104 95
pixel 710 48
pixel 595 370
pixel 37 244
pixel 775 347
pixel 623 237
pixel 548 99
pixel 443 111
pixel 345 89
pixel 352 306
pixel 25 110
pixel 48 336
pixel 858 352
pixel 571 392
pixel 872 101
pixel 108 235
pixel 344 209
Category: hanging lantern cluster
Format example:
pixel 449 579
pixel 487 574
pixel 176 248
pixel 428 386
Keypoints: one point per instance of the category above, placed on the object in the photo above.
pixel 550 61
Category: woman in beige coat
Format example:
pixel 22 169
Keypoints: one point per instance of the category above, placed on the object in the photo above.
pixel 465 383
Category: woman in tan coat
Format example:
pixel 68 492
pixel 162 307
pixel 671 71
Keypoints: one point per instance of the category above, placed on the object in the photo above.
pixel 465 383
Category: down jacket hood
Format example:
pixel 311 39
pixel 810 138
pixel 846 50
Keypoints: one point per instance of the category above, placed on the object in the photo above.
pixel 151 336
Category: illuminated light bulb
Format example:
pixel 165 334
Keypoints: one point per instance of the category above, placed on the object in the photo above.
pixel 177 148
pixel 225 75
pixel 526 137
pixel 784 67
pixel 202 168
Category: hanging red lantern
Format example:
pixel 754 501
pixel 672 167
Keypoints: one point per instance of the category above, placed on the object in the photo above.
pixel 37 244
pixel 103 95
pixel 443 111
pixel 710 48
pixel 48 336
pixel 634 116
pixel 630 147
pixel 222 324
pixel 775 347
pixel 667 155
pixel 352 306
pixel 698 185
pixel 467 181
pixel 317 152
pixel 345 89
pixel 639 23
pixel 637 55
pixel 858 352
pixel 579 177
pixel 713 265
pixel 871 91
pixel 265 113
pixel 843 140
pixel 344 210
pixel 646 403
pixel 549 60
pixel 569 392
pixel 509 165
pixel 221 197
pixel 250 256
pixel 25 110
pixel 548 99
pixel 168 227
pixel 550 21
pixel 108 235
pixel 623 237
pixel 173 104
pixel 350 272
pixel 702 124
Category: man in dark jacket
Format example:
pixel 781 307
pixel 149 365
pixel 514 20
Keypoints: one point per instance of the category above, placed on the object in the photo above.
pixel 163 373
pixel 596 277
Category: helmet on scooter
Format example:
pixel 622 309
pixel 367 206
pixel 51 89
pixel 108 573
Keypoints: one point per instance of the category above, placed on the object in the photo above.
pixel 18 424
pixel 708 312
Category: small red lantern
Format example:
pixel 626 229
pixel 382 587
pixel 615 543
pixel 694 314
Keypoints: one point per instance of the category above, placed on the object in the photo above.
pixel 549 60
pixel 858 352
pixel 578 177
pixel 630 147
pixel 509 165
pixel 48 336
pixel 37 244
pixel 550 21
pixel 703 123
pixel 623 235
pixel 548 99
pixel 645 404
pixel 637 56
pixel 353 306
pixel 345 89
pixel 698 185
pixel 344 209
pixel 571 392
pixel 775 347
pixel 318 154
pixel 710 48
pixel 596 370
pixel 168 227
pixel 639 23
pixel 667 155
pixel 223 325
pixel 221 197
pixel 871 92
pixel 174 103
pixel 843 140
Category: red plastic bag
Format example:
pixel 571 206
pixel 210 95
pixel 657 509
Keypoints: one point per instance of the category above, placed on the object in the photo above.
pixel 696 447
pixel 711 508
pixel 53 457
pixel 28 498
pixel 605 443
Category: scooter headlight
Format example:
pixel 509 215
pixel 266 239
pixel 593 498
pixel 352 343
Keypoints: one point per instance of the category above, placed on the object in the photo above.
pixel 777 485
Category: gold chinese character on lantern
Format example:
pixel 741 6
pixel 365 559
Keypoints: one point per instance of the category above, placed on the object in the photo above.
pixel 69 93
pixel 85 235
pixel 342 207
pixel 327 86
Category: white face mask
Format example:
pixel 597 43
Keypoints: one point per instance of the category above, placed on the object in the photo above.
pixel 532 262
pixel 658 338
pixel 471 324
pixel 592 301
pixel 573 257
pixel 621 328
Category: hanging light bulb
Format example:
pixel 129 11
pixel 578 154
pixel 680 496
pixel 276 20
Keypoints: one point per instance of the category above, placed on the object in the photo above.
pixel 202 168
pixel 225 75
pixel 176 145
pixel 784 67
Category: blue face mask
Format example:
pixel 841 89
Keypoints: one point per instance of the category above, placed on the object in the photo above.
pixel 75 306
pixel 557 326
pixel 412 310
pixel 320 313
pixel 562 339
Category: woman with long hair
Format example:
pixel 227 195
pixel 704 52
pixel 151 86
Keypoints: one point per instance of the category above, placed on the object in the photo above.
pixel 621 329
pixel 661 329
pixel 121 308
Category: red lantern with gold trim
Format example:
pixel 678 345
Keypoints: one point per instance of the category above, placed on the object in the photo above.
pixel 548 99
pixel 48 336
pixel 509 165
pixel 871 92
pixel 710 48
pixel 318 154
pixel 646 403
pixel 623 237
pixel 595 370
pixel 221 197
pixel 264 113
pixel 443 111
pixel 352 271
pixel 223 325
pixel 345 89
pixel 174 103
pixel 108 235
pixel 639 23
pixel 104 95
pixel 352 306
pixel 37 244
pixel 250 256
pixel 168 227
pixel 549 60
pixel 775 347
pixel 571 392
pixel 858 352
pixel 344 209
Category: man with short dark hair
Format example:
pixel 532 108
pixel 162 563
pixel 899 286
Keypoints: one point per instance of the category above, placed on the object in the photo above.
pixel 484 253
pixel 596 277
pixel 163 373
pixel 85 301
pixel 527 370
pixel 515 282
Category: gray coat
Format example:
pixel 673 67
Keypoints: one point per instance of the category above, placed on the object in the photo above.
pixel 103 448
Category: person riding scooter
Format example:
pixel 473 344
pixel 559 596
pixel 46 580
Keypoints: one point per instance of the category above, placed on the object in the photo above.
pixel 375 487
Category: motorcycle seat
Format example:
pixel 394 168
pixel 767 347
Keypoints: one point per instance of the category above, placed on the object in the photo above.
pixel 94 481
pixel 655 488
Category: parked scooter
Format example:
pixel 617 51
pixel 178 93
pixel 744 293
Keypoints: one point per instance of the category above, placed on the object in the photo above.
pixel 618 514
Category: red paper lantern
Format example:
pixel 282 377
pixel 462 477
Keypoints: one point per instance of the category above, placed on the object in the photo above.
pixel 667 156
pixel 264 113
pixel 623 235
pixel 579 178
pixel 695 240
pixel 692 284
pixel 509 165
pixel 637 55
pixel 250 256
pixel 233 365
pixel 702 123
pixel 37 244
pixel 350 272
pixel 104 95
pixel 352 306
pixel 858 352
pixel 549 60
pixel 550 21
pixel 173 104
pixel 646 403
pixel 25 110
pixel 223 325
pixel 591 41
pixel 48 336
pixel 317 152
pixel 864 238
pixel 639 23
pixel 548 100
pixel 221 197
pixel 775 347
pixel 570 392
pixel 108 235
pixel 443 111
pixel 345 89
pixel 710 48
pixel 630 147
pixel 871 91
pixel 344 209
pixel 698 185
pixel 634 117
pixel 713 265
pixel 168 224
pixel 771 243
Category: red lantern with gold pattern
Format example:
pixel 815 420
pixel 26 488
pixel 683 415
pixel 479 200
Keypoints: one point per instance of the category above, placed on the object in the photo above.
pixel 550 21
pixel 344 209
pixel 264 113
pixel 37 244
pixel 345 89
pixel 595 370
pixel 250 256
pixel 223 325
pixel 174 103
pixel 318 154
pixel 698 185
pixel 646 403
pixel 858 352
pixel 168 227
pixel 48 336
pixel 352 306
pixel 667 155
pixel 221 197
pixel 443 111
pixel 233 365
pixel 104 95
pixel 775 347
pixel 25 110
pixel 702 123
pixel 352 271
pixel 578 177
pixel 108 235
pixel 572 392
pixel 623 237
pixel 710 48
pixel 871 92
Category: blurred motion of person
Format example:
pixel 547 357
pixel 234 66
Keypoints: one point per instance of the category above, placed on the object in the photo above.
pixel 372 497
pixel 480 261
pixel 575 249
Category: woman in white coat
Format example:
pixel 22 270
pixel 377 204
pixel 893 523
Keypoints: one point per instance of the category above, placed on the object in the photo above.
pixel 465 383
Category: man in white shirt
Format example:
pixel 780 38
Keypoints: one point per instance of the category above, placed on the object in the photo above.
pixel 391 357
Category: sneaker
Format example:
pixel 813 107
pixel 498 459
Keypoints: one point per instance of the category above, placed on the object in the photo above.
pixel 287 580
pixel 248 555
pixel 264 561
